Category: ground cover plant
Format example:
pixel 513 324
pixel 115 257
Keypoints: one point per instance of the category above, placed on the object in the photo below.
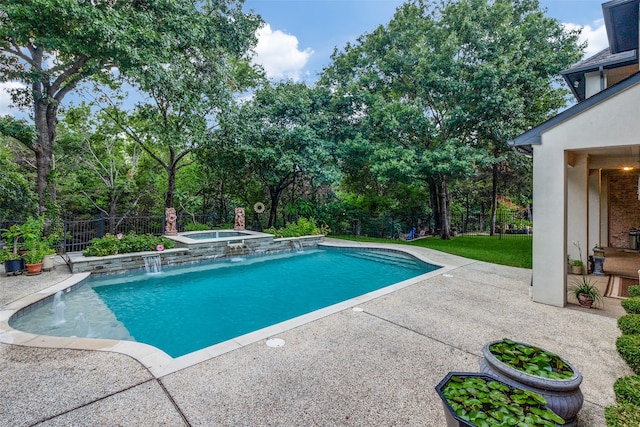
pixel 511 252
pixel 531 360
pixel 484 401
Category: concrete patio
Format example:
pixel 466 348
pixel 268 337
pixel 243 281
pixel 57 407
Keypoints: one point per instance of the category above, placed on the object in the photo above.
pixel 376 367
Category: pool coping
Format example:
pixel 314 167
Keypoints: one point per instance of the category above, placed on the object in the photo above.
pixel 160 363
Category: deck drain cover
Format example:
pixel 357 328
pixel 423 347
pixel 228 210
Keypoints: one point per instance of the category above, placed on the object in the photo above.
pixel 275 342
pixel 358 309
pixel 447 275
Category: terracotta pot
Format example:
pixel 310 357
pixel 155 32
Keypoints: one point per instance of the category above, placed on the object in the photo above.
pixel 34 268
pixel 563 396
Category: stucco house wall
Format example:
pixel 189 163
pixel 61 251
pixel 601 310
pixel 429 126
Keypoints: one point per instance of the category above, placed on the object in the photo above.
pixel 561 165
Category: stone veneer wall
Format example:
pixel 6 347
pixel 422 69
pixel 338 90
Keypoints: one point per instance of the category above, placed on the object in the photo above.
pixel 624 208
pixel 189 253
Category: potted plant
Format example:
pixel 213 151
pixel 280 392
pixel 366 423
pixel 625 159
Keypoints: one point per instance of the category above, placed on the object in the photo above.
pixel 585 291
pixel 577 266
pixel 34 258
pixel 13 263
pixel 535 369
pixel 475 399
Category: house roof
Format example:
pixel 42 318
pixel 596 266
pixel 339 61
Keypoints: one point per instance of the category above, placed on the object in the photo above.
pixel 604 59
pixel 524 142
pixel 621 20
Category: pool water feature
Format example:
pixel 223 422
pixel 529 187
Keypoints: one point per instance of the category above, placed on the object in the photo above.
pixel 182 310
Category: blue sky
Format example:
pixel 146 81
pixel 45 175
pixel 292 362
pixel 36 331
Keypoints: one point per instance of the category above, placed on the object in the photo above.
pixel 301 34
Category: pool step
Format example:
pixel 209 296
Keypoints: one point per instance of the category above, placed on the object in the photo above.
pixel 387 258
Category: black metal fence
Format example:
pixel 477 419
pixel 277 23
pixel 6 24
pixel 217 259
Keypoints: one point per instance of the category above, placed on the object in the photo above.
pixel 78 233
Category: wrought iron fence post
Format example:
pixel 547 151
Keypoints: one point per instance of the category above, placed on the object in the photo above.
pixel 101 225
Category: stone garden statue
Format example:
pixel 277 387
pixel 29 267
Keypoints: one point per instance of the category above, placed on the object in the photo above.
pixel 170 226
pixel 238 224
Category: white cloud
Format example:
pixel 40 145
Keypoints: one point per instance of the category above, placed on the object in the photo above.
pixel 278 54
pixel 595 35
pixel 5 97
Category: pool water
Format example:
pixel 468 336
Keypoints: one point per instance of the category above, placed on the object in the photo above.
pixel 215 234
pixel 182 310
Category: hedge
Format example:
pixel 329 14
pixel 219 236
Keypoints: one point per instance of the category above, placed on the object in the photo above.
pixel 627 390
pixel 629 348
pixel 629 324
pixel 631 305
pixel 622 415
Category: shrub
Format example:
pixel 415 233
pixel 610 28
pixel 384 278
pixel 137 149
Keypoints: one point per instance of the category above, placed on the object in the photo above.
pixel 631 305
pixel 629 348
pixel 128 243
pixel 623 415
pixel 627 390
pixel 634 291
pixel 196 226
pixel 304 227
pixel 629 324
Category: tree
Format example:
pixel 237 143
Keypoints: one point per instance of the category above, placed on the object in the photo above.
pixel 52 46
pixel 433 86
pixel 101 162
pixel 281 137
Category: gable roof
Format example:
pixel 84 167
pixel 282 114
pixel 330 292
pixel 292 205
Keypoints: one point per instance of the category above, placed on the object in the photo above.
pixel 523 143
pixel 575 76
pixel 621 20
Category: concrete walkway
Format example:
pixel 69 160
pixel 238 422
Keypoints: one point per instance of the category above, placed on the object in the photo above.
pixel 376 367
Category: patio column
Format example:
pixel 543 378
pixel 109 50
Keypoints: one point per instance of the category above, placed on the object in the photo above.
pixel 549 232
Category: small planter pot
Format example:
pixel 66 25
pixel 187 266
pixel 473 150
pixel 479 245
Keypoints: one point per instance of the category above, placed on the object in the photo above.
pixel 563 395
pixel 453 420
pixel 34 268
pixel 576 269
pixel 47 263
pixel 14 266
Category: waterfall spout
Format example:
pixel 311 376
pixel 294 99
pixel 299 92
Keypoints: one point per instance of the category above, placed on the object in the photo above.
pixel 57 308
pixel 153 264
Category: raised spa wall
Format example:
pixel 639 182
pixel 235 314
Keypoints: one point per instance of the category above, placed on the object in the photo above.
pixel 191 251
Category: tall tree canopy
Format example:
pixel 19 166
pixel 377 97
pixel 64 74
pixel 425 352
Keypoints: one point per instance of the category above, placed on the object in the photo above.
pixel 442 84
pixel 52 46
pixel 281 136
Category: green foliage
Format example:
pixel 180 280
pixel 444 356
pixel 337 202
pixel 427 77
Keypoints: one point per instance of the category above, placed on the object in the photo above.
pixel 634 291
pixel 8 255
pixel 628 347
pixel 631 305
pixel 531 360
pixel 128 243
pixel 304 227
pixel 622 415
pixel 488 402
pixel 629 324
pixel 196 226
pixel 627 390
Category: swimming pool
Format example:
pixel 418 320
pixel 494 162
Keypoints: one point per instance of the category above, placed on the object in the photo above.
pixel 183 310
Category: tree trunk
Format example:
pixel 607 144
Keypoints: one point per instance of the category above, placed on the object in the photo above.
pixel 46 122
pixel 434 200
pixel 445 213
pixel 275 199
pixel 494 199
pixel 171 186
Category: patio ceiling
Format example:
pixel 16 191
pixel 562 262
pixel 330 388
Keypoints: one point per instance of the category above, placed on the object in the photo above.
pixel 614 157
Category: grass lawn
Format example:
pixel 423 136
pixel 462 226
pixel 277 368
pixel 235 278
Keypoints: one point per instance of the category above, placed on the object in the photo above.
pixel 515 252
